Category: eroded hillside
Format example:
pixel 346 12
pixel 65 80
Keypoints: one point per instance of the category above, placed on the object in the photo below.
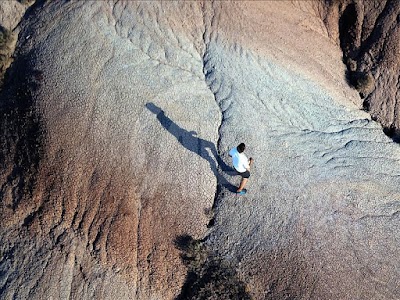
pixel 117 117
pixel 368 33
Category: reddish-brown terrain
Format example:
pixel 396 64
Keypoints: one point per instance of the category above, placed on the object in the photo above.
pixel 116 118
pixel 368 32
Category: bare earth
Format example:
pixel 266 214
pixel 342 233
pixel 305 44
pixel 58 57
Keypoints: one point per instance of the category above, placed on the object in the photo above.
pixel 116 120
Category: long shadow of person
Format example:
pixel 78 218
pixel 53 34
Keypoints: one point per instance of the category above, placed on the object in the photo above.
pixel 195 144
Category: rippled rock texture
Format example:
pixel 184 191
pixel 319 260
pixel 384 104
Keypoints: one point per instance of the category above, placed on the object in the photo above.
pixel 117 117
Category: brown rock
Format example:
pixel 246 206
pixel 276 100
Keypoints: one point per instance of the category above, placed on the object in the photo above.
pixel 369 33
pixel 111 119
pixel 11 13
pixel 93 193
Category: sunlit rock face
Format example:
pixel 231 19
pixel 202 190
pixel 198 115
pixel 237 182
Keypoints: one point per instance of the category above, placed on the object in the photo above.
pixel 117 117
pixel 11 13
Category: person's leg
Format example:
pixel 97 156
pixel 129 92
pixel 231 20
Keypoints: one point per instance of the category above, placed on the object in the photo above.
pixel 242 184
pixel 245 178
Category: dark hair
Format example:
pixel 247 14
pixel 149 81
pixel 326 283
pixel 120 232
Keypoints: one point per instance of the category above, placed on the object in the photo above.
pixel 241 147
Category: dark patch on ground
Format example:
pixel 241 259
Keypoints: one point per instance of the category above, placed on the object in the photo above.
pixel 348 32
pixel 208 277
pixel 393 133
pixel 20 131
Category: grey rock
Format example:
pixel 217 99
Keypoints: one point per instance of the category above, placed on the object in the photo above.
pixel 132 108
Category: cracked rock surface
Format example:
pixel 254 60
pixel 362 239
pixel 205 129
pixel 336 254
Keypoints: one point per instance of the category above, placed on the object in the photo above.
pixel 117 117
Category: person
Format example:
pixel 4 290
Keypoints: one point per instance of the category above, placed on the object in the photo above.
pixel 242 166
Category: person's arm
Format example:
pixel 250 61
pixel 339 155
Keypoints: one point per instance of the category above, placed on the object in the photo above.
pixel 245 163
pixel 251 160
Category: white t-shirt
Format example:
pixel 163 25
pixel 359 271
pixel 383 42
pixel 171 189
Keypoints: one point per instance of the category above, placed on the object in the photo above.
pixel 240 161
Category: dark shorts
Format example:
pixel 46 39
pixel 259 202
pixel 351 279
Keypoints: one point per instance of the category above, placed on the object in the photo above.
pixel 244 174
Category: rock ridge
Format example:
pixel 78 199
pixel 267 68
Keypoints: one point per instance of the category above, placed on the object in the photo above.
pixel 367 32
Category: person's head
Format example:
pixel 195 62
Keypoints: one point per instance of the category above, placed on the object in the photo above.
pixel 241 147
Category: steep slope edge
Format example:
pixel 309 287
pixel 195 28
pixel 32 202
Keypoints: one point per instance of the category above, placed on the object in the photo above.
pixel 368 33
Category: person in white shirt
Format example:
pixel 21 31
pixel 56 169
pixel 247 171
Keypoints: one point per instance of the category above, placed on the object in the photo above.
pixel 242 166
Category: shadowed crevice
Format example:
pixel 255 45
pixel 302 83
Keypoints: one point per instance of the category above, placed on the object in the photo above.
pixel 20 131
pixel 348 32
pixel 393 133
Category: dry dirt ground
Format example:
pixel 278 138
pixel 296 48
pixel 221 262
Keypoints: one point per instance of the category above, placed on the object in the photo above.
pixel 116 120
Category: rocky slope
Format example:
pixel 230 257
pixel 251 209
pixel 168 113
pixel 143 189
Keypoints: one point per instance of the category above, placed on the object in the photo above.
pixel 11 13
pixel 116 120
pixel 369 33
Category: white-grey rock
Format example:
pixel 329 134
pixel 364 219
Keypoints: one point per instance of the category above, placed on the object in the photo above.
pixel 122 175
